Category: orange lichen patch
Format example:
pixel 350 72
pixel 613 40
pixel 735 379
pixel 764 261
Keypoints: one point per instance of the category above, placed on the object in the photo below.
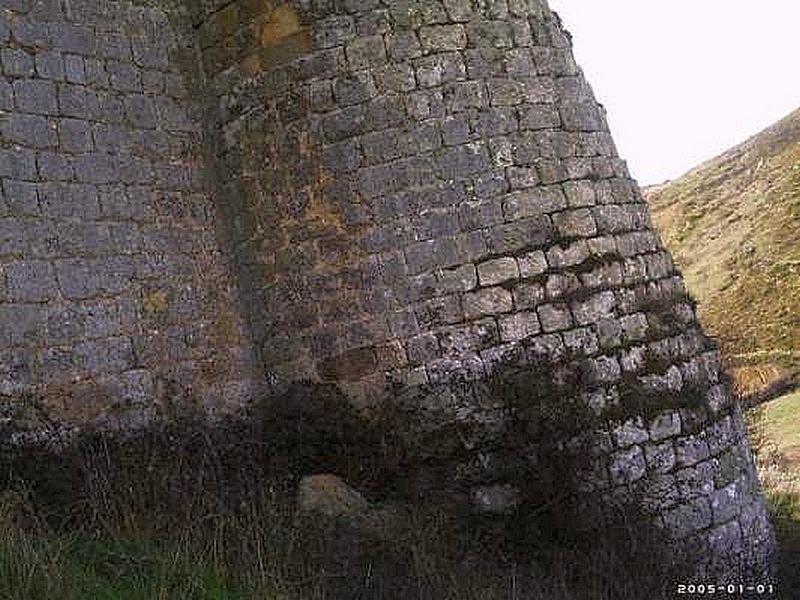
pixel 155 302
pixel 305 143
pixel 348 366
pixel 282 24
pixel 251 65
pixel 283 37
pixel 224 328
pixel 323 214
pixel 227 19
pixel 80 403
pixel 214 370
pixel 250 9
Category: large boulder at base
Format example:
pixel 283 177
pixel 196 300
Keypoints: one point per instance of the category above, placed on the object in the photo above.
pixel 328 495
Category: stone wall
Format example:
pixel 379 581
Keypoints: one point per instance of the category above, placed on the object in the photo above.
pixel 412 196
pixel 421 192
pixel 113 292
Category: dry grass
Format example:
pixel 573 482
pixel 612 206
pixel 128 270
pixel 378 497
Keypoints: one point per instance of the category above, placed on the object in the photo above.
pixel 775 438
pixel 206 511
pixel 732 225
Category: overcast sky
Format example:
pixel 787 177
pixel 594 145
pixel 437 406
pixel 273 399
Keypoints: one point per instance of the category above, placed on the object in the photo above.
pixel 683 80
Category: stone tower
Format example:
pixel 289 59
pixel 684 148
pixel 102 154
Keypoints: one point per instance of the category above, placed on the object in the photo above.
pixel 384 195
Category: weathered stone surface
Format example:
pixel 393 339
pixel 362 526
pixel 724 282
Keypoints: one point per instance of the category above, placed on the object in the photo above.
pixel 627 465
pixel 496 499
pixel 330 496
pixel 497 271
pixel 489 301
pixel 88 171
pixel 355 192
pixel 688 518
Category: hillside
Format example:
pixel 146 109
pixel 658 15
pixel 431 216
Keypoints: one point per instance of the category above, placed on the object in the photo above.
pixel 733 226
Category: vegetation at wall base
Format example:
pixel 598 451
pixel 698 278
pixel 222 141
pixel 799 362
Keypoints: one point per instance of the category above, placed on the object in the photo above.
pixel 201 510
pixel 772 429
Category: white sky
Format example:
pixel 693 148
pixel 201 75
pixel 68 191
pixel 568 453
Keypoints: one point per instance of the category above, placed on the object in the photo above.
pixel 684 80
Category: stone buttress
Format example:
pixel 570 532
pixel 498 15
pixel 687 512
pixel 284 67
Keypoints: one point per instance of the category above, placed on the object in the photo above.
pixel 421 191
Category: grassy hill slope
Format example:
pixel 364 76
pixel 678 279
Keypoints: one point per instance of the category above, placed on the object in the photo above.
pixel 733 226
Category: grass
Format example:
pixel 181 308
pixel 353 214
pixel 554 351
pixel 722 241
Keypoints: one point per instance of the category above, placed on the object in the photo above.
pixel 732 225
pixel 775 436
pixel 199 510
pixel 42 565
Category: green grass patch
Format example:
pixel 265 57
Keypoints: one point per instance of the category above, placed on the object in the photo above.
pixel 781 421
pixel 41 565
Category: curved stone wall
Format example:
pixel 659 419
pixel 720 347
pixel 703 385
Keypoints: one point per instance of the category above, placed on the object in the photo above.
pixel 419 192
pixel 410 195
pixel 112 290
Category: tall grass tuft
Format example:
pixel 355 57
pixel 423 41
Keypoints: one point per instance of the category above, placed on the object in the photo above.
pixel 190 509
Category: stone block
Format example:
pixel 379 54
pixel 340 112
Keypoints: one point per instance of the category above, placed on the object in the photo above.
pixel 354 88
pixel 124 77
pixel 660 458
pixel 689 518
pixel 443 38
pixel 458 341
pixel 439 69
pixel 569 255
pixel 78 101
pixel 532 264
pixel 691 450
pixel 533 202
pixel 16 62
pixel 725 542
pixel 579 194
pixel 561 285
pixel 697 480
pixel 334 31
pixel 444 310
pixel 422 348
pixel 594 309
pixel 538 116
pixel 581 116
pixel 79 39
pixel 140 111
pixel 519 235
pixel 20 197
pixel 365 52
pixel 75 135
pixel 554 317
pixel 627 466
pixel 30 281
pixel 35 96
pixel 519 326
pixel 54 167
pixel 665 425
pixel 33 131
pixel 488 301
pixel 403 45
pixel 630 432
pixel 395 78
pixel 74 69
pixel 497 271
pixel 726 503
pixel 581 342
pixel 575 223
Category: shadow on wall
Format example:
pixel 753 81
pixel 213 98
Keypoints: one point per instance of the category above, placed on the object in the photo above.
pixel 523 457
pixel 214 485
